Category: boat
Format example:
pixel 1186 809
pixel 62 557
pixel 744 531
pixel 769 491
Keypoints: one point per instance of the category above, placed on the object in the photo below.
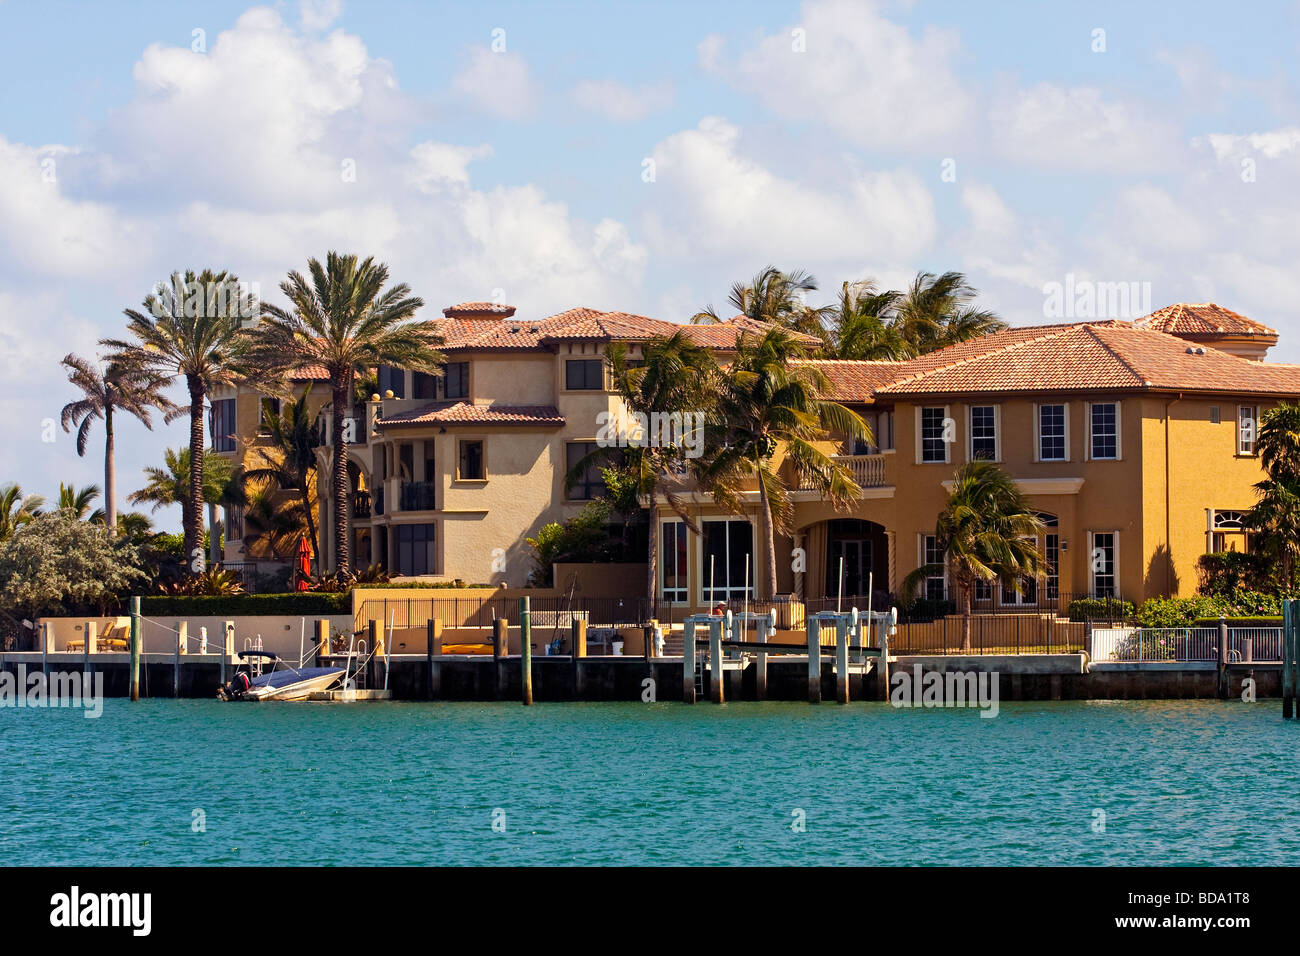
pixel 289 683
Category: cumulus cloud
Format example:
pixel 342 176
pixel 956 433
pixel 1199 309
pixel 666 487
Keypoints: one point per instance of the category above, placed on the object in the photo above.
pixel 497 83
pixel 847 66
pixel 620 103
pixel 319 14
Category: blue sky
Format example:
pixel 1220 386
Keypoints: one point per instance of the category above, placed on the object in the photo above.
pixel 811 135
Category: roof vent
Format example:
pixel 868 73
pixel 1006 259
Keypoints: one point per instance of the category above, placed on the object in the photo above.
pixel 1195 350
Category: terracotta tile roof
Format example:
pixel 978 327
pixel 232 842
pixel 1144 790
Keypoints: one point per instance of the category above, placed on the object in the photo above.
pixel 1202 318
pixel 477 332
pixel 1089 356
pixel 464 413
pixel 855 381
pixel 490 309
pixel 311 373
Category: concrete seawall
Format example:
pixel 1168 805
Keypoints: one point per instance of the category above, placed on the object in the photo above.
pixel 1020 677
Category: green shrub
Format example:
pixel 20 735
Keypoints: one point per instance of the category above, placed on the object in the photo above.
pixel 1176 612
pixel 1099 609
pixel 295 603
pixel 1239 622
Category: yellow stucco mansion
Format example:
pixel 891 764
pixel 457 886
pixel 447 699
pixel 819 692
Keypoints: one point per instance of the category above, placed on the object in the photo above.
pixel 1134 440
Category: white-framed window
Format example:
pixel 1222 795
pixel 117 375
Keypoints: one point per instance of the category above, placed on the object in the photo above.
pixel 1053 433
pixel 726 559
pixel 1228 530
pixel 1103 563
pixel 674 585
pixel 1103 431
pixel 931 434
pixel 984 433
pixel 936 585
pixel 1247 429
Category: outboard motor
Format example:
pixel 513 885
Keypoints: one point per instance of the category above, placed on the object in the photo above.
pixel 238 686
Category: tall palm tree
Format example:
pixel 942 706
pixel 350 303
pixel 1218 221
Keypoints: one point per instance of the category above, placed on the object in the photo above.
pixel 192 327
pixel 17 509
pixel 77 502
pixel 987 532
pixel 774 297
pixel 291 442
pixel 937 311
pixel 769 400
pixel 342 319
pixel 1275 519
pixel 104 390
pixel 170 485
pixel 863 324
pixel 675 375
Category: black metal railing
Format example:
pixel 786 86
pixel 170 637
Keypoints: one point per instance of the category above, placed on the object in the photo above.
pixel 361 504
pixel 419 496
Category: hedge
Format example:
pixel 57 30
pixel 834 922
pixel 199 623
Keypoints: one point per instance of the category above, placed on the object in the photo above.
pixel 1100 609
pixel 230 605
pixel 1239 622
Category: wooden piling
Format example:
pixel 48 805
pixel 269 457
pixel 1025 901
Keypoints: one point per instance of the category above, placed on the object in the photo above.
pixel 322 642
pixel 717 672
pixel 760 659
pixel 1223 658
pixel 882 664
pixel 45 632
pixel 688 662
pixel 431 676
pixel 578 633
pixel 227 647
pixel 135 649
pixel 814 660
pixel 500 644
pixel 372 649
pixel 526 649
pixel 842 660
pixel 182 635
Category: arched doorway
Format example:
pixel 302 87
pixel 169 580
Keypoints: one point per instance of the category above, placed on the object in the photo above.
pixel 847 556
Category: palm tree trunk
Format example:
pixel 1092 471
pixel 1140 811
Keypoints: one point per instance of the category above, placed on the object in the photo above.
pixel 214 541
pixel 311 525
pixel 342 489
pixel 194 527
pixel 653 548
pixel 110 474
pixel 769 541
pixel 966 590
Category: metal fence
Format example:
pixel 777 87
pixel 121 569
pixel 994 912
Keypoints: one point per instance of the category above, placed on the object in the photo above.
pixel 1150 644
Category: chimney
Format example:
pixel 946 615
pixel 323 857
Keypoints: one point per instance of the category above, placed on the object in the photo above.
pixel 479 310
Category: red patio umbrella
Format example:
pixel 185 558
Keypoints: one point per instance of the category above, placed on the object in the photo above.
pixel 304 564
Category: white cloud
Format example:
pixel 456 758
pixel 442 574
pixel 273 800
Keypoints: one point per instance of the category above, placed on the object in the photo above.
pixel 437 164
pixel 498 83
pixel 1271 144
pixel 1079 128
pixel 317 15
pixel 711 197
pixel 622 103
pixel 859 73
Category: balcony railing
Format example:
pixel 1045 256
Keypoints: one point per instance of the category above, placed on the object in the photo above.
pixel 867 470
pixel 418 496
pixel 361 504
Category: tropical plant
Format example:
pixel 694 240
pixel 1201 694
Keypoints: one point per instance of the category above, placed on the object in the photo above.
pixel 192 327
pixel 1275 518
pixel 584 538
pixel 986 532
pixel 291 439
pixel 343 320
pixel 937 311
pixel 54 559
pixel 17 509
pixel 106 389
pixel 863 325
pixel 773 297
pixel 212 582
pixel 77 502
pixel 272 524
pixel 768 400
pixel 170 485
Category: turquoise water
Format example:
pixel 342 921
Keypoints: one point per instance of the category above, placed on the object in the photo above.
pixel 1187 782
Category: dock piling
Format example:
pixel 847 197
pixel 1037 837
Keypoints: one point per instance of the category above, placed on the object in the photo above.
pixel 578 629
pixel 814 627
pixel 842 660
pixel 227 647
pixel 526 649
pixel 91 635
pixel 500 644
pixel 430 675
pixel 688 661
pixel 1289 609
pixel 1223 658
pixel 763 625
pixel 717 673
pixel 322 643
pixel 135 648
pixel 182 635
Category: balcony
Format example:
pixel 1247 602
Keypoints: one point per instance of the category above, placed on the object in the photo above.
pixel 361 504
pixel 418 496
pixel 867 470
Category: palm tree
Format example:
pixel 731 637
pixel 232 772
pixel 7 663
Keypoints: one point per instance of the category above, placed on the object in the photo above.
pixel 17 509
pixel 77 501
pixel 170 485
pixel 345 321
pixel 292 439
pixel 274 524
pixel 104 390
pixel 674 376
pixel 193 328
pixel 768 399
pixel 864 325
pixel 1275 519
pixel 776 298
pixel 987 532
pixel 936 312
